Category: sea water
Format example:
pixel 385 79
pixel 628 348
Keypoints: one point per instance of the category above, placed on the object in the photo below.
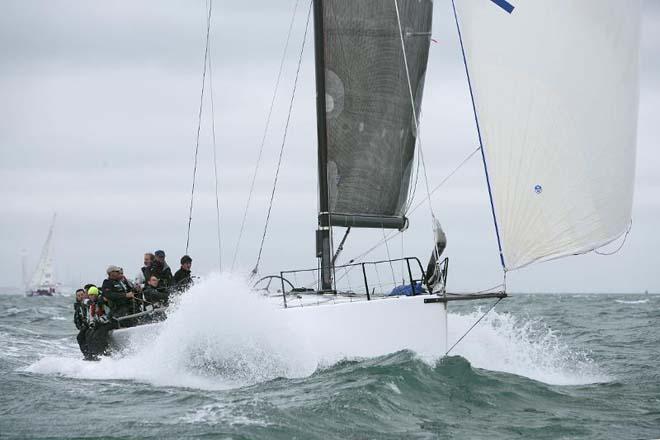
pixel 225 365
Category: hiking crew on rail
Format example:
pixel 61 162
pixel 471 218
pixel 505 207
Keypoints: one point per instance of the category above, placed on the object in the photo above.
pixel 120 303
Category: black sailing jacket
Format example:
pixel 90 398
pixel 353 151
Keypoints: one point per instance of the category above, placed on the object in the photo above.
pixel 79 315
pixel 155 295
pixel 182 279
pixel 115 293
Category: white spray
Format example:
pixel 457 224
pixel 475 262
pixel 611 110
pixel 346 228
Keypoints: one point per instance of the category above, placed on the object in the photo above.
pixel 221 335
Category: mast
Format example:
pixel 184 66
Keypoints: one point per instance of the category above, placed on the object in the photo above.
pixel 323 250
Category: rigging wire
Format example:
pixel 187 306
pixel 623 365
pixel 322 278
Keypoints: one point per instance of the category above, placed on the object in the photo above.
pixel 481 144
pixel 199 122
pixel 265 133
pixel 286 129
pixel 402 263
pixel 215 162
pixel 625 237
pixel 420 150
pixel 389 258
pixel 394 234
pixel 473 326
pixel 412 191
pixel 420 203
pixel 414 112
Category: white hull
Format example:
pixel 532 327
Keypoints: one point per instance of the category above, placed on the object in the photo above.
pixel 347 328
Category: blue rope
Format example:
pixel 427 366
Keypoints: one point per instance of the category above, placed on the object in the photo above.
pixel 481 145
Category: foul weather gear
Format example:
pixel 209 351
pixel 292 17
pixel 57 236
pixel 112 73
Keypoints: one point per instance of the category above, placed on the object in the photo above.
pixel 163 272
pixel 156 296
pixel 79 315
pixel 182 279
pixel 114 291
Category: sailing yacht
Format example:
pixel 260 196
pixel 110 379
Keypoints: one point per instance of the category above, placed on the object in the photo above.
pixel 554 90
pixel 43 281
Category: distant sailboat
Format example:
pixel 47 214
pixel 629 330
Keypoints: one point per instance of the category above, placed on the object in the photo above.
pixel 43 281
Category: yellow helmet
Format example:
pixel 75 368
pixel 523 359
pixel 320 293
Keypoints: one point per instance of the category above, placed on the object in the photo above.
pixel 93 291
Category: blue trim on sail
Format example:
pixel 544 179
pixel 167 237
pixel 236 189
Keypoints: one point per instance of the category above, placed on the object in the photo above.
pixel 481 145
pixel 508 7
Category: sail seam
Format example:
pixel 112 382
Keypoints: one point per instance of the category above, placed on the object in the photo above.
pixel 481 145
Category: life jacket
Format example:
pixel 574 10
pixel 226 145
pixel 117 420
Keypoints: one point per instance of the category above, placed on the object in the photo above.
pixel 98 310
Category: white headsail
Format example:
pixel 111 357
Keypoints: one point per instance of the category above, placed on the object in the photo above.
pixel 555 87
pixel 43 278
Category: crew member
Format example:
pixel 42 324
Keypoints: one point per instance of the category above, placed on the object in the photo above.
pixel 161 269
pixel 79 310
pixel 96 336
pixel 97 309
pixel 80 319
pixel 136 289
pixel 117 293
pixel 154 294
pixel 182 277
pixel 145 271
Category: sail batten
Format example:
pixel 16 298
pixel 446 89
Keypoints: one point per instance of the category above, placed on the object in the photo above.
pixel 555 90
pixel 369 120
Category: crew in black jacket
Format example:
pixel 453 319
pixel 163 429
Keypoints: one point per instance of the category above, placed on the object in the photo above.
pixel 117 293
pixel 161 269
pixel 182 277
pixel 155 294
pixel 80 310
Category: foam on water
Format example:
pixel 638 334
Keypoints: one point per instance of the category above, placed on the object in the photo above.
pixel 220 335
pixel 503 342
pixel 639 301
pixel 221 413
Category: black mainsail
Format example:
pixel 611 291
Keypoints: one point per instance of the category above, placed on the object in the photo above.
pixel 366 127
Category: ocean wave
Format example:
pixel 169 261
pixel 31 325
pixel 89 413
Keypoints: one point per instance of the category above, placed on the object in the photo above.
pixel 638 301
pixel 523 346
pixel 220 336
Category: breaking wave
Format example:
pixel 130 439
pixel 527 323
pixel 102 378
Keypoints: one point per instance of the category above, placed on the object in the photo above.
pixel 639 301
pixel 219 335
pixel 506 343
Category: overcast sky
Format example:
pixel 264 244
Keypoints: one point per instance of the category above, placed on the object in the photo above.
pixel 98 115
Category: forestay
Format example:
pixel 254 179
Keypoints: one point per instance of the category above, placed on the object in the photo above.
pixel 370 126
pixel 555 86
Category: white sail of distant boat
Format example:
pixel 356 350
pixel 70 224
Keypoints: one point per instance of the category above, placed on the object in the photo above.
pixel 554 90
pixel 43 282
